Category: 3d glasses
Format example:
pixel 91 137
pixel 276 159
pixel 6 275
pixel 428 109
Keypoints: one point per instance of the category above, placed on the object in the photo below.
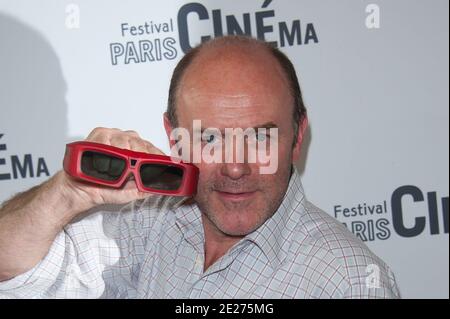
pixel 111 166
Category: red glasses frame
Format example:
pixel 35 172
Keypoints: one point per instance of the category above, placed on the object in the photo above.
pixel 134 161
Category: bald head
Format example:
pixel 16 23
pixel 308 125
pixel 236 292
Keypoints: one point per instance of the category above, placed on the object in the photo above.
pixel 221 63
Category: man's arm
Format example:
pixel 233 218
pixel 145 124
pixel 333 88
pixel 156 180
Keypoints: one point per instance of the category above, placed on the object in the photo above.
pixel 30 222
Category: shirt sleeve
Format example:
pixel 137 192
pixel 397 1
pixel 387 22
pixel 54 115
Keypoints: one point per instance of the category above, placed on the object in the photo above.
pixel 95 257
pixel 39 279
pixel 377 283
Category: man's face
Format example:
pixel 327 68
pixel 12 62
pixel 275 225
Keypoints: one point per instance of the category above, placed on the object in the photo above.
pixel 238 91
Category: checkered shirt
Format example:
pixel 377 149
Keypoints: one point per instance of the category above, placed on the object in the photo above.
pixel 155 249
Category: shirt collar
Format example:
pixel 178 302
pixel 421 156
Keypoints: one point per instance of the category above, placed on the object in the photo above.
pixel 188 218
pixel 271 237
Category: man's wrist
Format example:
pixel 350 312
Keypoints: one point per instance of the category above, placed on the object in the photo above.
pixel 56 203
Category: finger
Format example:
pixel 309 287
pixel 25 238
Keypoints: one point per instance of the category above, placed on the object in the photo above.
pixel 101 162
pixel 130 193
pixel 138 145
pixel 94 132
pixel 152 149
pixel 101 135
pixel 121 141
pixel 132 134
pixel 116 167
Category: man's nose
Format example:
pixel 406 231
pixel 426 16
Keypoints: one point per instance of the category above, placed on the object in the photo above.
pixel 235 171
pixel 236 163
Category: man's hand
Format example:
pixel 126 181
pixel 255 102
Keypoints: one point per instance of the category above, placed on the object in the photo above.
pixel 89 195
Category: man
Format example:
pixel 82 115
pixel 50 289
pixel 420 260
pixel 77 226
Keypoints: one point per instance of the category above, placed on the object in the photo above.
pixel 244 235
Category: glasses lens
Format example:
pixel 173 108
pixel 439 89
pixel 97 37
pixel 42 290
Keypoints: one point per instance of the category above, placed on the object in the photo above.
pixel 161 177
pixel 102 166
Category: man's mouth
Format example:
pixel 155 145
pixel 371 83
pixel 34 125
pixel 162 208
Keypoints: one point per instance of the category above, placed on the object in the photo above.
pixel 236 196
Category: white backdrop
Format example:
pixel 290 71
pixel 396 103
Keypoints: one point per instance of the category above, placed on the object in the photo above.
pixel 374 76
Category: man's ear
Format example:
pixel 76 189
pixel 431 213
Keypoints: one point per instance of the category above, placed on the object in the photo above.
pixel 168 127
pixel 303 125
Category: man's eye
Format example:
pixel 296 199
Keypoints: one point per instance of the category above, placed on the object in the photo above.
pixel 261 137
pixel 209 138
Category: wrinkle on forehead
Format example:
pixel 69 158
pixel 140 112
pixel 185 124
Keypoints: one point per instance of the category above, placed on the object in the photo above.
pixel 222 100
